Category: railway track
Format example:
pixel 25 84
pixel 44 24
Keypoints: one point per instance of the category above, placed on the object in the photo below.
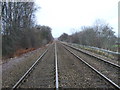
pixel 106 69
pixel 61 66
pixel 106 61
pixel 43 73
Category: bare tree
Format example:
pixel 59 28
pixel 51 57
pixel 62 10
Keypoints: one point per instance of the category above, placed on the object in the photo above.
pixel 99 35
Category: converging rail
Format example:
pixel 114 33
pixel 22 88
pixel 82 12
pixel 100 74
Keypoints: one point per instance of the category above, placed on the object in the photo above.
pixel 56 67
pixel 116 65
pixel 28 71
pixel 99 73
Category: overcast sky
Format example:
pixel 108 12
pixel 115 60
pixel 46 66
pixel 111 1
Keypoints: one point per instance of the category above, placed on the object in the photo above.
pixel 64 15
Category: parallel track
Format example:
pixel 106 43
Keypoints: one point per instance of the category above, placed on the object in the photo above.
pixel 103 76
pixel 28 73
pixel 116 65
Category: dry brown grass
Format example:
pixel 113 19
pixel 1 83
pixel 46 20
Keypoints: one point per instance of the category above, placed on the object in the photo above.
pixel 22 51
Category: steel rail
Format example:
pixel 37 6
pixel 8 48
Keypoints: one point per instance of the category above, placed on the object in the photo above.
pixel 56 67
pixel 28 71
pixel 92 55
pixel 110 81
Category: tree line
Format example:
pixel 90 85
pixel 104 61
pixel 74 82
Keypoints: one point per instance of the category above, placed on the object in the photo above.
pixel 19 29
pixel 99 35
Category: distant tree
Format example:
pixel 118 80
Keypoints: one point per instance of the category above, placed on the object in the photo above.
pixel 88 36
pixel 74 37
pixel 63 37
pixel 99 35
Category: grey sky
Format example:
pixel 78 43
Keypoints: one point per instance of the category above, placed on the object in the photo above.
pixel 64 15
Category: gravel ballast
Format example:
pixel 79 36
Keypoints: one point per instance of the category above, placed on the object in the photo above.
pixel 13 70
pixel 116 61
pixel 43 76
pixel 109 70
pixel 72 73
pixel 75 74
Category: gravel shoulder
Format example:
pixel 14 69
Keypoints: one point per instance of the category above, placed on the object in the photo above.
pixel 16 67
pixel 75 74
